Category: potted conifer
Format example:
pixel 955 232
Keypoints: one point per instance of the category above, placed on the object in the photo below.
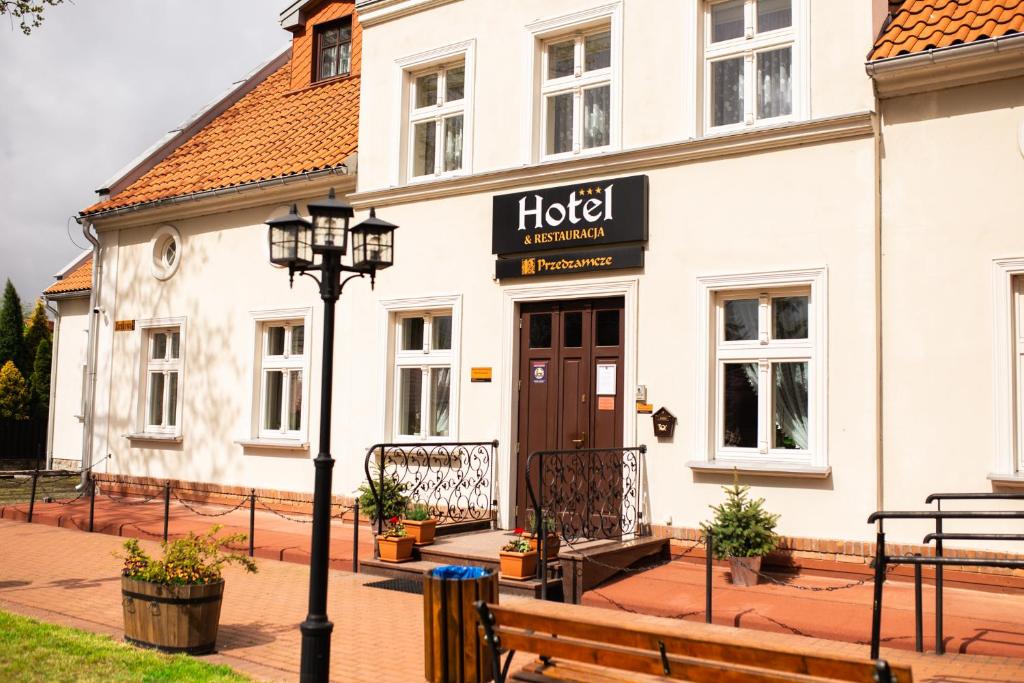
pixel 742 532
pixel 420 525
pixel 173 603
pixel 517 560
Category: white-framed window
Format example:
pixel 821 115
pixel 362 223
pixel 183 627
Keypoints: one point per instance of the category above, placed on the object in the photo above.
pixel 437 120
pixel 1018 357
pixel 763 391
pixel 576 84
pixel 283 349
pixel 162 379
pixel 576 93
pixel 1008 369
pixel 753 58
pixel 422 396
pixel 166 252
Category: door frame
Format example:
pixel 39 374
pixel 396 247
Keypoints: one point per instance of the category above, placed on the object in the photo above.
pixel 511 298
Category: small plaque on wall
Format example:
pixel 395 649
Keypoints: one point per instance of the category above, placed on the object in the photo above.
pixel 480 375
pixel 124 326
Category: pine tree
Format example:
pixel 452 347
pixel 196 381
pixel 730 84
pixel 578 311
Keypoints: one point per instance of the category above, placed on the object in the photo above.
pixel 37 329
pixel 15 396
pixel 39 381
pixel 12 331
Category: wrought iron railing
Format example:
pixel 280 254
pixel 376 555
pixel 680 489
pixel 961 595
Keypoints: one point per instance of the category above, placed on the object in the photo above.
pixel 455 481
pixel 590 493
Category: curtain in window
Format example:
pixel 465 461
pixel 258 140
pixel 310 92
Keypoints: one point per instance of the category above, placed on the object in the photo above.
pixel 440 397
pixel 774 91
pixel 791 405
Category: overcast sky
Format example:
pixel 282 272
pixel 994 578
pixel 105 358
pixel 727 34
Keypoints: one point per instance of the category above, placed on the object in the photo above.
pixel 93 87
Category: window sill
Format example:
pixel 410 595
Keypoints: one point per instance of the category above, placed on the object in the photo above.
pixel 274 444
pixel 143 437
pixel 1008 480
pixel 766 469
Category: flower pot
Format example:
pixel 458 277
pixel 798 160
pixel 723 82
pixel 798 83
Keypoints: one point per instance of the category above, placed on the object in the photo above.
pixel 518 565
pixel 422 532
pixel 395 548
pixel 172 618
pixel 744 570
pixel 553 544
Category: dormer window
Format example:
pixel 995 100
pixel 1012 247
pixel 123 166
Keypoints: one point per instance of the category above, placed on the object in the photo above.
pixel 334 49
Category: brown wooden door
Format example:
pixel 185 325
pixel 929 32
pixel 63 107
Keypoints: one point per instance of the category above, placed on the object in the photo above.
pixel 571 391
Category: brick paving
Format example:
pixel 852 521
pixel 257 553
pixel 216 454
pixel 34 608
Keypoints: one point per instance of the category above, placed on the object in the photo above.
pixel 68 577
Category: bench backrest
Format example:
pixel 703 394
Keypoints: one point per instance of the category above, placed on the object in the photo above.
pixel 642 648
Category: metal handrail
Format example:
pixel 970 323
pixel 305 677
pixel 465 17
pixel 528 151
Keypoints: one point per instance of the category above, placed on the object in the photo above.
pixel 973 496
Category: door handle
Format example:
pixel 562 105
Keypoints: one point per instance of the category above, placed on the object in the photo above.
pixel 579 442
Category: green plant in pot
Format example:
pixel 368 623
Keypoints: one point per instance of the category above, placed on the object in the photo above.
pixel 546 525
pixel 393 500
pixel 173 603
pixel 420 524
pixel 742 532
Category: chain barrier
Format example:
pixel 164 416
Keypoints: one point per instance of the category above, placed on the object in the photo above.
pixel 281 514
pixel 151 534
pixel 187 504
pixel 122 500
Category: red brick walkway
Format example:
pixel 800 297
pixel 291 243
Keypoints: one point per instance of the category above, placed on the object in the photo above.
pixel 69 577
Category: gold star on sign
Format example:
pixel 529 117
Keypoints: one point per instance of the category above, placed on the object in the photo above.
pixel 582 192
pixel 599 190
pixel 590 190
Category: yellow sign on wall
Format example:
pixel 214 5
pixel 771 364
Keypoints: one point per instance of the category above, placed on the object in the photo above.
pixel 480 375
pixel 124 326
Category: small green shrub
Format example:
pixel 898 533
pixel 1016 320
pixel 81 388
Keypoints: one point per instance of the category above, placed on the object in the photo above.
pixel 418 513
pixel 741 527
pixel 548 523
pixel 395 529
pixel 393 499
pixel 186 561
pixel 517 545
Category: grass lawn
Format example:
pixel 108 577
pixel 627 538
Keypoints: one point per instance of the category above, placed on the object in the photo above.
pixel 34 651
pixel 19 490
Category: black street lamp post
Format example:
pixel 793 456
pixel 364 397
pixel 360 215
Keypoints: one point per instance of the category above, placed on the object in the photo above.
pixel 295 243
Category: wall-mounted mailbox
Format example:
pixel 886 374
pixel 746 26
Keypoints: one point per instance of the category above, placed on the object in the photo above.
pixel 664 423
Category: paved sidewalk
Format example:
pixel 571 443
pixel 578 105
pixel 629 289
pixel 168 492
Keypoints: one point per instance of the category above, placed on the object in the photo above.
pixel 69 577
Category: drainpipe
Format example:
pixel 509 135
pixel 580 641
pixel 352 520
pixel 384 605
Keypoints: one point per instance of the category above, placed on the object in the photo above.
pixel 53 380
pixel 89 397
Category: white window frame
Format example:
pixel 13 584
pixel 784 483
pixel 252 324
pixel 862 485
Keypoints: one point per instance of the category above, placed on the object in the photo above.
pixel 436 113
pixel 394 312
pixel 796 36
pixel 419 64
pixel 1008 371
pixel 262 321
pixel 557 29
pixel 147 330
pixel 425 359
pixel 711 292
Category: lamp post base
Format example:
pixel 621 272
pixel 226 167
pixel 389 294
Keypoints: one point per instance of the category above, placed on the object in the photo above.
pixel 316 650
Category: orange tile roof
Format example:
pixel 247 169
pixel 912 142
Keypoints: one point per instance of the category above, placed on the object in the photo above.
pixel 276 130
pixel 78 280
pixel 922 25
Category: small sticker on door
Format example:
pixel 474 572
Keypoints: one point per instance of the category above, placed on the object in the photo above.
pixel 606 403
pixel 539 371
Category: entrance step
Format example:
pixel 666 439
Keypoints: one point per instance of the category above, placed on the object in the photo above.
pixel 415 570
pixel 588 565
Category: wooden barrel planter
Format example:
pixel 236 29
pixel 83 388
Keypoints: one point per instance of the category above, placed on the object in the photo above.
pixel 172 618
pixel 454 649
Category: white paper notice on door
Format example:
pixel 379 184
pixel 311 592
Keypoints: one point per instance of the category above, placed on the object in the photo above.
pixel 606 379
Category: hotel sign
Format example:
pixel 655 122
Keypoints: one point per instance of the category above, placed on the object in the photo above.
pixel 568 263
pixel 590 214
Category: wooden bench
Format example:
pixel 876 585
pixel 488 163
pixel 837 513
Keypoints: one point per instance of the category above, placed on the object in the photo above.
pixel 587 644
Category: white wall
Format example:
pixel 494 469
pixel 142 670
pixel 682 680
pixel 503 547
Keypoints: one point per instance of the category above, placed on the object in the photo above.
pixel 72 338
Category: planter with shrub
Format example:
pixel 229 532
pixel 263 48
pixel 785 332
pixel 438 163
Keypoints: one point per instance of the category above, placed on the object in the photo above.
pixel 517 560
pixel 395 544
pixel 547 526
pixel 743 532
pixel 420 525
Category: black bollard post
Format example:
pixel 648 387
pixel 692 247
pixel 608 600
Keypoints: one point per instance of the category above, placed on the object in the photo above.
pixel 167 507
pixel 918 610
pixel 709 544
pixel 252 522
pixel 32 500
pixel 355 538
pixel 92 501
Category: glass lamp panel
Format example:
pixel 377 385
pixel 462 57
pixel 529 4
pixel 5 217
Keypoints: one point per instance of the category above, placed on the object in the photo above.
pixel 455 84
pixel 329 231
pixel 739 405
pixel 412 334
pixel 298 340
pixel 303 245
pixel 424 148
pixel 774 14
pixel 727 91
pixel 559 123
pixel 452 157
pixel 441 333
pixel 156 398
pixel 440 398
pixel 378 249
pixel 789 317
pixel 159 346
pixel 172 399
pixel 597 51
pixel 295 400
pixel 273 392
pixel 426 91
pixel 727 21
pixel 275 340
pixel 789 400
pixel 741 319
pixel 410 394
pixel 774 83
pixel 561 59
pixel 596 117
